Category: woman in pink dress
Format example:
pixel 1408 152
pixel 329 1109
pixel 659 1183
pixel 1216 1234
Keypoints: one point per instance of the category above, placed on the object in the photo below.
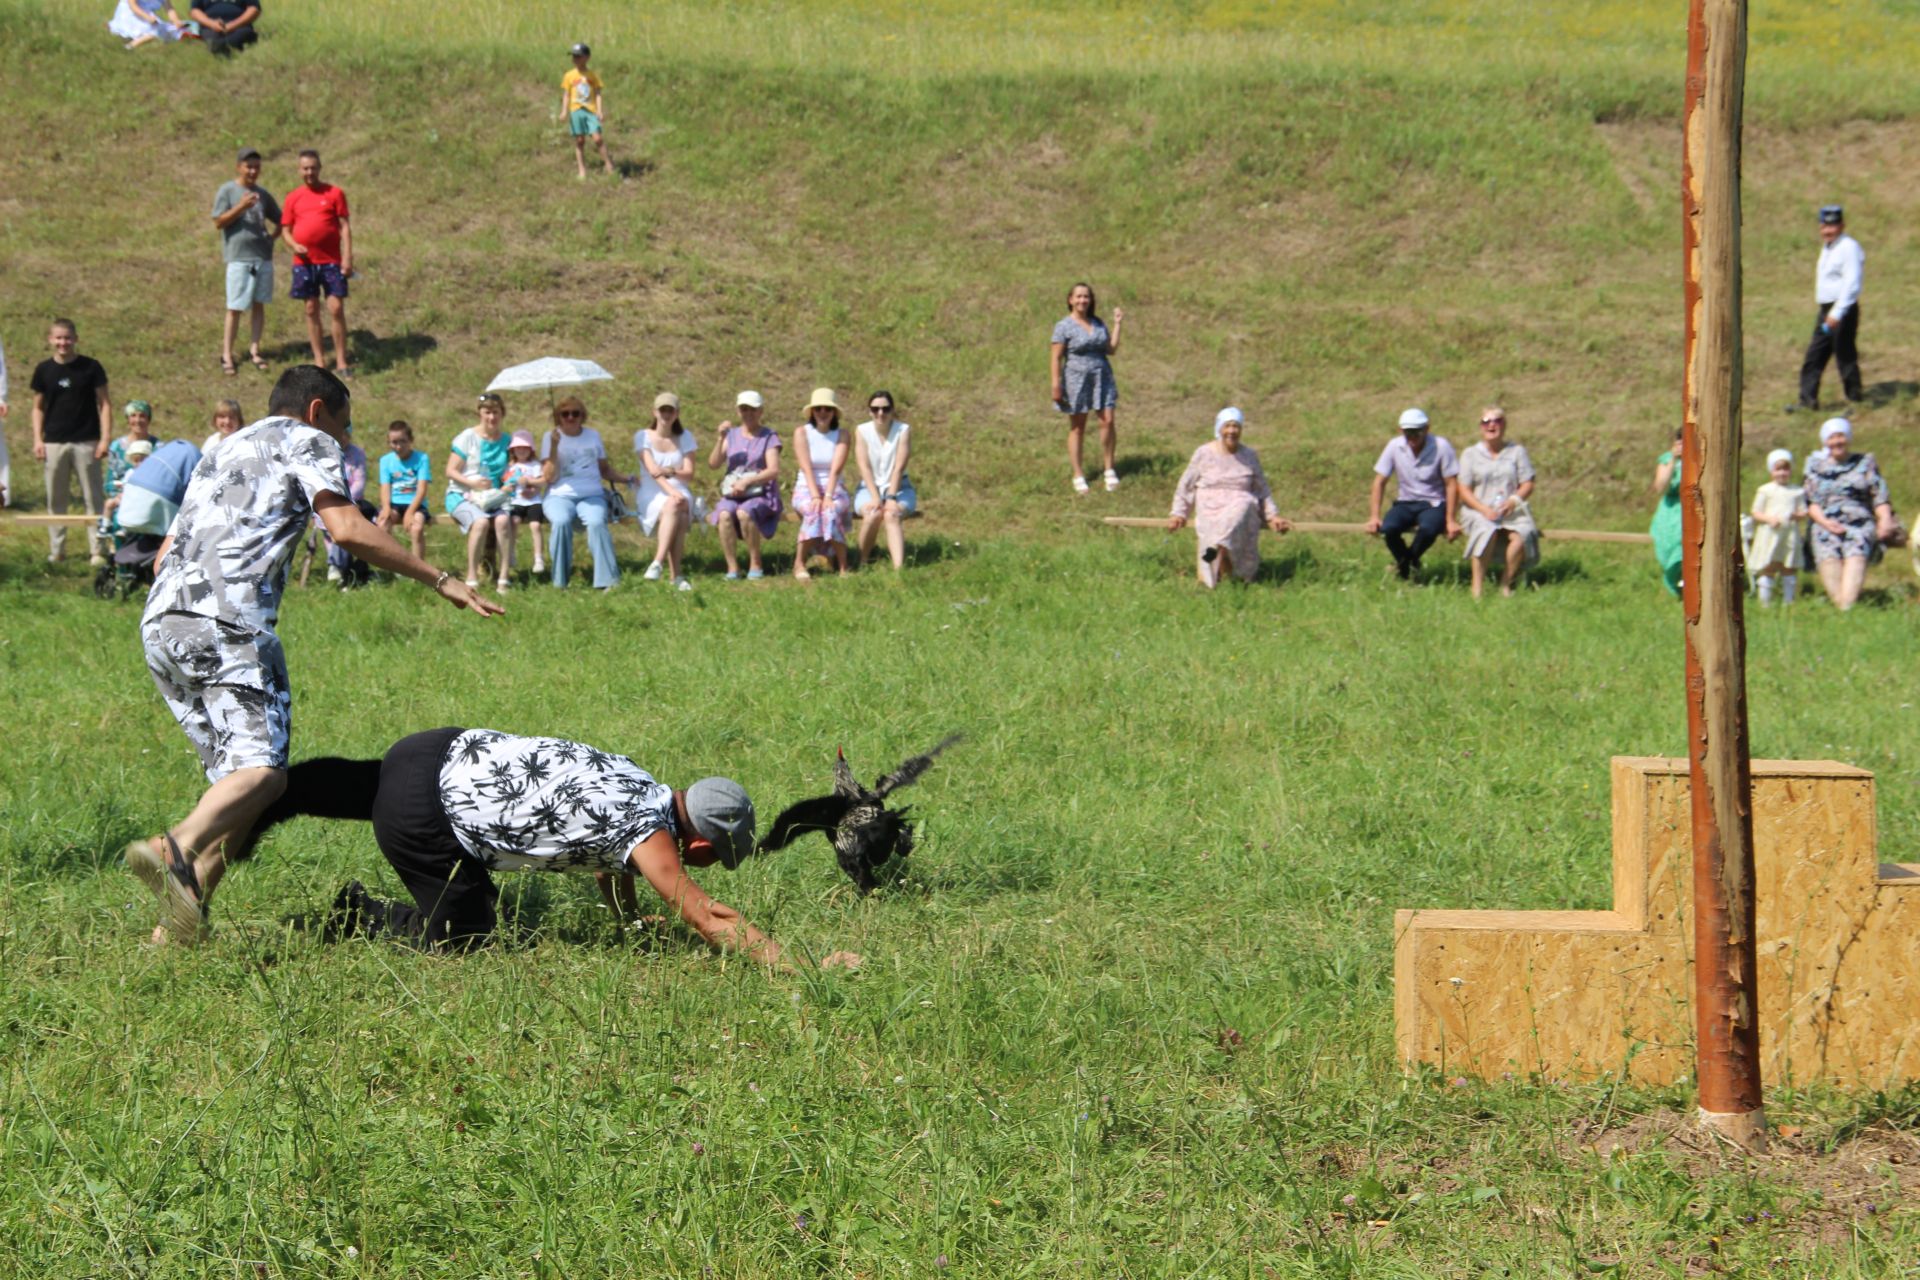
pixel 1226 493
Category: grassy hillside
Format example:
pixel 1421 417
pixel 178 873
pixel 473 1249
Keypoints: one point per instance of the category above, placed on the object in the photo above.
pixel 1133 1015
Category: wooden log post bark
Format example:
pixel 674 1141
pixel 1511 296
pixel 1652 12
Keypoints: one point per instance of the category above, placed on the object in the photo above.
pixel 1726 1019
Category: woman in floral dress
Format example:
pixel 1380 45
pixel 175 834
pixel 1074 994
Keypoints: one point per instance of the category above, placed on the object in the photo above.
pixel 1851 512
pixel 1226 493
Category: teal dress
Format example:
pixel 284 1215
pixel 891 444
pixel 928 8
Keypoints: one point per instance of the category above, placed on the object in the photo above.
pixel 1666 527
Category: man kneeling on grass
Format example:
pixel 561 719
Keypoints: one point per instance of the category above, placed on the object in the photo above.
pixel 450 806
pixel 208 627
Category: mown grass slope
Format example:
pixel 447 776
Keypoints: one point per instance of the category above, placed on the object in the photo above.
pixel 1176 816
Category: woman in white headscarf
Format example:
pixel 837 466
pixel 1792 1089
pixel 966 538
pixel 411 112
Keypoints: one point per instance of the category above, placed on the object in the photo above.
pixel 1226 493
pixel 1851 512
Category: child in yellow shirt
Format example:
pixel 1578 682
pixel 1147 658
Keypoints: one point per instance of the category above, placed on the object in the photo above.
pixel 586 113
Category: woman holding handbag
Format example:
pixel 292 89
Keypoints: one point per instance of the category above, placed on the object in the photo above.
pixel 476 500
pixel 749 505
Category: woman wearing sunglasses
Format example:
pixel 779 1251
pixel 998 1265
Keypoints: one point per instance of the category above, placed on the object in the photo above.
pixel 886 496
pixel 1496 480
pixel 577 474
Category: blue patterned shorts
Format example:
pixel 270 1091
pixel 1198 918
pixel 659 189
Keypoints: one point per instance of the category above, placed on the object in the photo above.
pixel 228 688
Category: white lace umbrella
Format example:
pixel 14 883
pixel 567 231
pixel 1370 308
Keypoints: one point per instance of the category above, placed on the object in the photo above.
pixel 547 373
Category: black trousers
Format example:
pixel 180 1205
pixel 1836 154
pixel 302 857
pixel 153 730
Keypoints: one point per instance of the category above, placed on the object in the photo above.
pixel 1428 522
pixel 453 896
pixel 1840 346
pixel 222 44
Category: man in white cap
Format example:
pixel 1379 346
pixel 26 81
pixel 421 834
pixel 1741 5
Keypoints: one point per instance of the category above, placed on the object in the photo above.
pixel 1427 496
pixel 1836 292
pixel 450 806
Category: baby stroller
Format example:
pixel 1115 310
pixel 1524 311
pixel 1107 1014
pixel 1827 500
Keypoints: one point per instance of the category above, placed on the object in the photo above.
pixel 130 568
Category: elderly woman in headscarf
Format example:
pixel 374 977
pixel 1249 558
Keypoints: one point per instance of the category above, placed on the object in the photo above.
pixel 1496 480
pixel 1227 495
pixel 1851 512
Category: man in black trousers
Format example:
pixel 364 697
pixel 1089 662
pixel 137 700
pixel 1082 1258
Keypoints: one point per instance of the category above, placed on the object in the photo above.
pixel 1836 291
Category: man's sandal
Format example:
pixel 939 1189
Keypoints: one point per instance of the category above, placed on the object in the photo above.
pixel 175 885
pixel 259 361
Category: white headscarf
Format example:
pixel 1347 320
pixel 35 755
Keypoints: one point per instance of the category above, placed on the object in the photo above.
pixel 1779 456
pixel 1835 427
pixel 1226 415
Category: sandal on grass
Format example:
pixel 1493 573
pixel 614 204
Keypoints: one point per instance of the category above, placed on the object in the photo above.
pixel 174 883
pixel 228 367
pixel 259 361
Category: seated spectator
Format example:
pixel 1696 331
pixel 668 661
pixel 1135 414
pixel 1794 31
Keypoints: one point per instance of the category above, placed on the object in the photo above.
pixel 1665 528
pixel 120 455
pixel 664 502
pixel 1225 491
pixel 818 494
pixel 1851 512
pixel 342 566
pixel 141 22
pixel 749 503
pixel 477 497
pixel 1779 509
pixel 404 476
pixel 1496 480
pixel 226 25
pixel 1427 492
pixel 227 419
pixel 885 497
pixel 523 484
pixel 577 474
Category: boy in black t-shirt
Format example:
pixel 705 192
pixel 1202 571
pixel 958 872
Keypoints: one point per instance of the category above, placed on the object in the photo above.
pixel 72 426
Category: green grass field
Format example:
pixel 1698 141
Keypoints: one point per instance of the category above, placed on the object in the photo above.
pixel 1132 1015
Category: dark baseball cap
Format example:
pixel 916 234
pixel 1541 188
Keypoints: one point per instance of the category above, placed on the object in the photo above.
pixel 246 153
pixel 582 51
pixel 1832 214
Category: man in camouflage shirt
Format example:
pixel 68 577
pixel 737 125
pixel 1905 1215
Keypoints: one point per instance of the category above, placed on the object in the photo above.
pixel 208 627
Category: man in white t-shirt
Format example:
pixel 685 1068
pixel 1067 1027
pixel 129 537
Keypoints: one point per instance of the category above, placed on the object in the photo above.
pixel 451 806
pixel 577 475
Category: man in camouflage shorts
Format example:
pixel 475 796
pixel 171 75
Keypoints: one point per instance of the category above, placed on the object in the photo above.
pixel 209 634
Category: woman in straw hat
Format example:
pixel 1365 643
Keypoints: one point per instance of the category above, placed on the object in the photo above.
pixel 818 493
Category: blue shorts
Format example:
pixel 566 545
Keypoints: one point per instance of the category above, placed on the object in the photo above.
pixel 582 122
pixel 312 279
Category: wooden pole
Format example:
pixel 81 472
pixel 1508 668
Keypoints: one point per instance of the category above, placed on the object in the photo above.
pixel 1725 1012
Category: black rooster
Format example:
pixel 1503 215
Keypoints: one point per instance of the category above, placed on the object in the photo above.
pixel 866 835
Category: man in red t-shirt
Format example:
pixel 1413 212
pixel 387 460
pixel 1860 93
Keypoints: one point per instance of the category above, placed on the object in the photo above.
pixel 315 224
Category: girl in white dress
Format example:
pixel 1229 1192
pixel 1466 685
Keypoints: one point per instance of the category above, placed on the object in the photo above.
pixel 1779 508
pixel 139 21
pixel 664 500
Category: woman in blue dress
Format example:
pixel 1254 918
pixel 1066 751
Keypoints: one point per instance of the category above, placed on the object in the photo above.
pixel 1083 379
pixel 1852 515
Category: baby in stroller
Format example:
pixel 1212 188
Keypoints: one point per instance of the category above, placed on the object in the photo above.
pixel 138 515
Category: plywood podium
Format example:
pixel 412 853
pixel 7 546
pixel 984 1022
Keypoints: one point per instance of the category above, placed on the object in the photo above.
pixel 1583 994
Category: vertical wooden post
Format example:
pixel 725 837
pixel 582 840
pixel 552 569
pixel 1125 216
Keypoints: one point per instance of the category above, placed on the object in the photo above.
pixel 1726 1017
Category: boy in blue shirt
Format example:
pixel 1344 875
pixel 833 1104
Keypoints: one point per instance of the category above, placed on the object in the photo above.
pixel 404 474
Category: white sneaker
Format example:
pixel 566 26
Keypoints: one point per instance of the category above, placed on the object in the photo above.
pixel 654 571
pixel 681 584
pixel 334 574
pixel 1112 479
pixel 1079 484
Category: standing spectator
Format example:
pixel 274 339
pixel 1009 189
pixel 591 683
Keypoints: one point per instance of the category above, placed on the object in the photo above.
pixel 477 497
pixel 6 461
pixel 523 481
pixel 72 423
pixel 886 496
pixel 665 502
pixel 576 472
pixel 342 566
pixel 1226 491
pixel 1496 481
pixel 248 218
pixel 585 108
pixel 1427 492
pixel 1779 507
pixel 227 419
pixel 209 628
pixel 226 25
pixel 1851 512
pixel 818 494
pixel 1837 277
pixel 749 503
pixel 1083 379
pixel 321 237
pixel 139 24
pixel 404 475
pixel 1665 528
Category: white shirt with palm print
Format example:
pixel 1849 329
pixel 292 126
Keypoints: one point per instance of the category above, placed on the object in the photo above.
pixel 549 803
